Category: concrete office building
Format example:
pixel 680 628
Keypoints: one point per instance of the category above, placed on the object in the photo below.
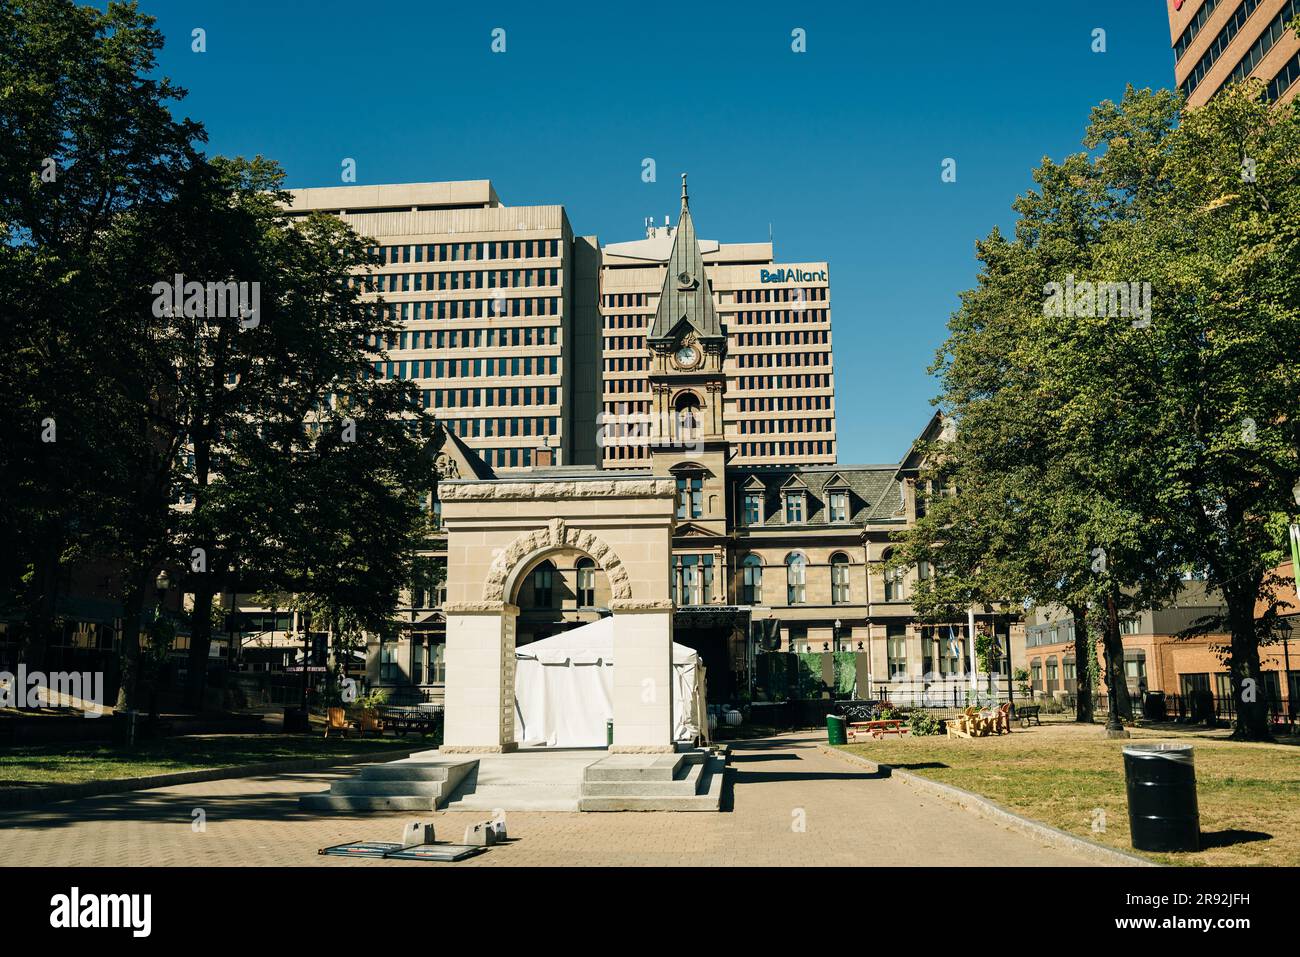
pixel 530 341
pixel 498 315
pixel 1217 42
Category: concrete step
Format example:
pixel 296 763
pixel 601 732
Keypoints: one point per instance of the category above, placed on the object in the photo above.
pixel 381 788
pixel 685 785
pixel 708 781
pixel 406 771
pixel 357 802
pixel 637 767
pixel 396 786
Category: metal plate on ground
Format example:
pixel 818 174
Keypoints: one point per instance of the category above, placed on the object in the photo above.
pixel 361 849
pixel 435 852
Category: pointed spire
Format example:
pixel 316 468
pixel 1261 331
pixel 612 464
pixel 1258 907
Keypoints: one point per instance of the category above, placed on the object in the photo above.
pixel 686 296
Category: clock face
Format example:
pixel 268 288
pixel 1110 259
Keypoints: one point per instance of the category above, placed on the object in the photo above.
pixel 687 356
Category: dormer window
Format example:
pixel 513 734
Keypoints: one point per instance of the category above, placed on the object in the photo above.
pixel 753 512
pixel 795 508
pixel 839 506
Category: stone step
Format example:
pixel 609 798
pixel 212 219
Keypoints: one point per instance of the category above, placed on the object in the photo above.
pixel 381 788
pixel 707 797
pixel 686 785
pixel 396 786
pixel 406 771
pixel 638 767
pixel 357 802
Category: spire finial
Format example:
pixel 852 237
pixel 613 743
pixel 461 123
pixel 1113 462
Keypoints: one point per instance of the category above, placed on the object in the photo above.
pixel 684 197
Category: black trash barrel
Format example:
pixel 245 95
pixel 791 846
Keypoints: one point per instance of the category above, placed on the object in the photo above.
pixel 1161 784
pixel 1153 706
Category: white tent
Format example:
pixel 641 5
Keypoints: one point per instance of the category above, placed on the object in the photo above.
pixel 564 688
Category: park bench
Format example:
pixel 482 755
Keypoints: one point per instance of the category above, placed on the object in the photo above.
pixel 1027 713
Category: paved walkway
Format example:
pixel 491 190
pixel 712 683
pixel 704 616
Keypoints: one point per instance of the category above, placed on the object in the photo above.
pixel 788 803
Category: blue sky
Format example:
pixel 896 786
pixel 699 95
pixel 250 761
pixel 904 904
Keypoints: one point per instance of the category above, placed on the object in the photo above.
pixel 839 149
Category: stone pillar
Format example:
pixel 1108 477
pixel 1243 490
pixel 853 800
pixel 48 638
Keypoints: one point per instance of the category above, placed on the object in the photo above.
pixel 643 678
pixel 480 689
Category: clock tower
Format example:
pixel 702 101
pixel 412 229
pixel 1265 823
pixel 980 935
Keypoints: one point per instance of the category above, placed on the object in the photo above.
pixel 687 348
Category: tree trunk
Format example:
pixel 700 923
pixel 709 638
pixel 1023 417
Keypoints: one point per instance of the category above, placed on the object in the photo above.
pixel 129 653
pixel 1251 722
pixel 200 640
pixel 42 600
pixel 1116 686
pixel 1084 662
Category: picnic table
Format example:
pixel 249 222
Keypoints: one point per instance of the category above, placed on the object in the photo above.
pixel 406 719
pixel 878 729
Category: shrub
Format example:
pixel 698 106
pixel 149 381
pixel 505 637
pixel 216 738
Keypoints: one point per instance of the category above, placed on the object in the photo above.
pixel 922 722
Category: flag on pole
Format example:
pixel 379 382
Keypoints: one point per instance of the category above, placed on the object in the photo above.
pixel 1295 554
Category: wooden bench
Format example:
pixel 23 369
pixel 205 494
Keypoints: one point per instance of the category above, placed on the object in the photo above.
pixel 1028 713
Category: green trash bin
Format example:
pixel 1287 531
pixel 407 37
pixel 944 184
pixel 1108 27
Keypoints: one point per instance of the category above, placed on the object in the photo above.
pixel 609 732
pixel 836 730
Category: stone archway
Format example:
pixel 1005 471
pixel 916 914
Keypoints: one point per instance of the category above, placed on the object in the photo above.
pixel 503 574
pixel 496 530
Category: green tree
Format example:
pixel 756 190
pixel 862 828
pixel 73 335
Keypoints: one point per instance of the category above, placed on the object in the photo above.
pixel 1110 440
pixel 87 144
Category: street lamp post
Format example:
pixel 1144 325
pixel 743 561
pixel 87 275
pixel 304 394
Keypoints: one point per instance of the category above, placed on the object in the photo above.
pixel 1284 629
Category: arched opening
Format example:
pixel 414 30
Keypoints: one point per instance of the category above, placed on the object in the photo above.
pixel 688 416
pixel 562 590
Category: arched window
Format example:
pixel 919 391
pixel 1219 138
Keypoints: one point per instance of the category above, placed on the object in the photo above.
pixel 586 583
pixel 689 420
pixel 795 578
pixel 543 581
pixel 751 580
pixel 839 578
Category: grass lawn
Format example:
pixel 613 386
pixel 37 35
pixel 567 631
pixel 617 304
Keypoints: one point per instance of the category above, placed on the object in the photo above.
pixel 73 763
pixel 1248 794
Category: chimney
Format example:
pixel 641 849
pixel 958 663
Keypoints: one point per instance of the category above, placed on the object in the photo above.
pixel 543 458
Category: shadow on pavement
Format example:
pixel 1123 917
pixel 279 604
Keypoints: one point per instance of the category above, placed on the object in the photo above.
pixel 169 804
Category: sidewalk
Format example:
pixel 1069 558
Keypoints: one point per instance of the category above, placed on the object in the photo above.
pixel 791 805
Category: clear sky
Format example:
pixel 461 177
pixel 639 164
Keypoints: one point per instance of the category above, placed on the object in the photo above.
pixel 839 149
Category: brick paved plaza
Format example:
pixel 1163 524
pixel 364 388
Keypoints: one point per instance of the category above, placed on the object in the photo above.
pixel 850 816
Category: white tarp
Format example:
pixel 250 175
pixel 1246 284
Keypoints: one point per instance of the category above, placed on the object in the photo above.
pixel 564 688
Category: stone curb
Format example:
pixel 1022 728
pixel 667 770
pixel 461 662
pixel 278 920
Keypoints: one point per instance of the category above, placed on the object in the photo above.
pixel 977 804
pixel 19 798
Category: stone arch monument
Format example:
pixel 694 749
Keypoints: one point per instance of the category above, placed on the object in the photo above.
pixel 496 530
